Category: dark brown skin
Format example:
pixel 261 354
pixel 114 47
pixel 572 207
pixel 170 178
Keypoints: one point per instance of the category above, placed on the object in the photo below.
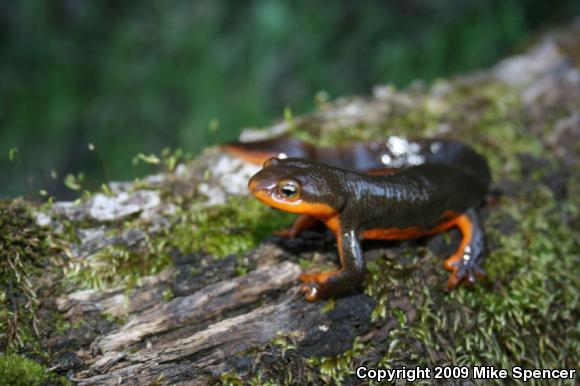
pixel 435 186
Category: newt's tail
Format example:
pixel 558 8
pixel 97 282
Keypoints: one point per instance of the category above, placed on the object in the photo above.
pixel 259 151
pixel 371 157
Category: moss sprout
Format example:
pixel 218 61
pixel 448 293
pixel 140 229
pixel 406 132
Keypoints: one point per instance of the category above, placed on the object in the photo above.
pixel 26 250
pixel 16 370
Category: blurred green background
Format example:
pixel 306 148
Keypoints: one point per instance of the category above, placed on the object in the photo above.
pixel 135 77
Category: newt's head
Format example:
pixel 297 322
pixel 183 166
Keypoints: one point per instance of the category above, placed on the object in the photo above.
pixel 298 186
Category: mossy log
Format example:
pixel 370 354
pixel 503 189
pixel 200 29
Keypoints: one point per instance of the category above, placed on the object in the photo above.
pixel 176 278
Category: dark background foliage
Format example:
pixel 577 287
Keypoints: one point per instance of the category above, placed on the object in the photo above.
pixel 137 76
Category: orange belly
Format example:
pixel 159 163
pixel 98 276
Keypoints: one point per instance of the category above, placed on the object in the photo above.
pixel 410 232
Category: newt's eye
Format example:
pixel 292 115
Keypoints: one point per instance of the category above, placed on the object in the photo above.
pixel 289 189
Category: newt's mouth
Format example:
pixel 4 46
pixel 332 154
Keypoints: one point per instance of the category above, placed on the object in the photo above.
pixel 261 189
pixel 252 185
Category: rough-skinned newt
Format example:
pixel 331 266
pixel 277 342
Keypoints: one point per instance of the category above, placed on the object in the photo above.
pixel 428 187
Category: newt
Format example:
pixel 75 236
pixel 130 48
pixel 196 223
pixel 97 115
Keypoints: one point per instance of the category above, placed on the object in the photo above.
pixel 428 186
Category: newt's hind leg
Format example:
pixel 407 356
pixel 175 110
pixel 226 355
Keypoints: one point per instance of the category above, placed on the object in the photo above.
pixel 466 262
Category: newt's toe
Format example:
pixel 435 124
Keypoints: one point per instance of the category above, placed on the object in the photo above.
pixel 311 291
pixel 468 274
pixel 453 281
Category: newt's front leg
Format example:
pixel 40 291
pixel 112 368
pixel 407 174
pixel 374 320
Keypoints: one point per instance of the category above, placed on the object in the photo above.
pixel 348 277
pixel 301 224
pixel 466 262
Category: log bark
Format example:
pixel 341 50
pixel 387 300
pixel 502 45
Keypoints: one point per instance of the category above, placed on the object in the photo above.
pixel 195 336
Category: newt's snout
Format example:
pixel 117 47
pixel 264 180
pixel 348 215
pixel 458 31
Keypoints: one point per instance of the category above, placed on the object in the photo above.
pixel 257 184
pixel 252 185
pixel 263 182
pixel 261 188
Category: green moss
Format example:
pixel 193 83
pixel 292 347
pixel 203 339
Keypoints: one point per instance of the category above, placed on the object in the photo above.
pixel 25 251
pixel 168 294
pixel 112 265
pixel 334 370
pixel 231 379
pixel 405 120
pixel 306 264
pixel 286 341
pixel 230 229
pixel 531 313
pixel 329 305
pixel 16 370
pixel 223 230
